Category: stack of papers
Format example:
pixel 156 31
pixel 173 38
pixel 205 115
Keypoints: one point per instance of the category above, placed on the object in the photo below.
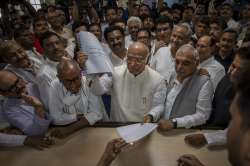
pixel 98 61
pixel 135 132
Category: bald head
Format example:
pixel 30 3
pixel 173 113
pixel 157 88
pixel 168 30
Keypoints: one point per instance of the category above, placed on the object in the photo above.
pixel 137 58
pixel 139 49
pixel 67 66
pixel 7 79
pixel 69 74
pixel 11 85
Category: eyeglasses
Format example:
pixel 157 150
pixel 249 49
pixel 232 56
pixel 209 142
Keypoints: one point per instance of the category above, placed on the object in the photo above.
pixel 137 59
pixel 71 81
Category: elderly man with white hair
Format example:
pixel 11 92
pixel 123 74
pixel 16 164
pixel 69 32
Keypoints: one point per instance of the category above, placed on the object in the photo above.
pixel 137 91
pixel 134 24
pixel 189 97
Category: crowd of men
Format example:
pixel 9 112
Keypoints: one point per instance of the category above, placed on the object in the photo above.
pixel 181 66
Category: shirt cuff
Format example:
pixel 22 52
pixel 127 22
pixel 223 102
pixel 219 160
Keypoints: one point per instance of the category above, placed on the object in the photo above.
pixel 216 138
pixel 181 123
pixel 21 139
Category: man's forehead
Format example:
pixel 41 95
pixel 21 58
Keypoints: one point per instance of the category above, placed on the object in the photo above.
pixel 204 39
pixel 180 30
pixel 114 34
pixel 53 38
pixel 185 55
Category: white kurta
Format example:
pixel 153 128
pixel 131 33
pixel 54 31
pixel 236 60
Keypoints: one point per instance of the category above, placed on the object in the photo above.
pixel 65 106
pixel 133 97
pixel 215 70
pixel 163 62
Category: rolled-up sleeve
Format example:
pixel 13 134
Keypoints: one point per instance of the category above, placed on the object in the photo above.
pixel 11 140
pixel 94 112
pixel 217 138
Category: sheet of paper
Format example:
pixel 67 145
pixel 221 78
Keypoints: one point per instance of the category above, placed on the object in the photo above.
pixel 98 61
pixel 134 132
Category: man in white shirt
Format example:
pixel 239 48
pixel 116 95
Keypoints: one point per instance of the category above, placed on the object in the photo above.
pixel 70 101
pixel 238 133
pixel 24 37
pixel 134 24
pixel 115 38
pixel 189 98
pixel 240 63
pixel 226 13
pixel 164 59
pixel 205 46
pixel 54 50
pixel 137 92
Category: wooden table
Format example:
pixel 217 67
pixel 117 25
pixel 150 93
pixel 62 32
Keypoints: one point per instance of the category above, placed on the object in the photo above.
pixel 85 147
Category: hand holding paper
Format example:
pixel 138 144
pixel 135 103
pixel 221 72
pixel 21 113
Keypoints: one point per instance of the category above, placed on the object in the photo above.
pixel 98 61
pixel 132 133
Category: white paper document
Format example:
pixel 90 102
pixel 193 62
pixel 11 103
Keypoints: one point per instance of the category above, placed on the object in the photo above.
pixel 134 132
pixel 98 61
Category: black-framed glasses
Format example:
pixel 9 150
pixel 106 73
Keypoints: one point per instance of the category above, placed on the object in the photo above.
pixel 71 81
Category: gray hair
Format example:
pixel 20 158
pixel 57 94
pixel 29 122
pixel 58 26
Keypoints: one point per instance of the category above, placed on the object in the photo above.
pixel 134 19
pixel 188 33
pixel 189 47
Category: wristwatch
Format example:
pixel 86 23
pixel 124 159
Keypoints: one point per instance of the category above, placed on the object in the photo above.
pixel 174 121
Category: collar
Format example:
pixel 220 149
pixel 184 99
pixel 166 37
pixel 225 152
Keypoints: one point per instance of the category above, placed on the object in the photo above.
pixel 140 76
pixel 207 61
pixel 51 63
pixel 177 82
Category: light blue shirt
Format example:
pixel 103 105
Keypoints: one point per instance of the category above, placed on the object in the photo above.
pixel 22 116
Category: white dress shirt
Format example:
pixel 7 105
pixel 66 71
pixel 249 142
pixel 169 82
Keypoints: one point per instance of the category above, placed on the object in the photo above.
pixel 217 138
pixel 45 76
pixel 163 62
pixel 71 44
pixel 65 106
pixel 11 140
pixel 232 24
pixel 203 105
pixel 128 41
pixel 215 70
pixel 115 60
pixel 37 58
pixel 133 97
